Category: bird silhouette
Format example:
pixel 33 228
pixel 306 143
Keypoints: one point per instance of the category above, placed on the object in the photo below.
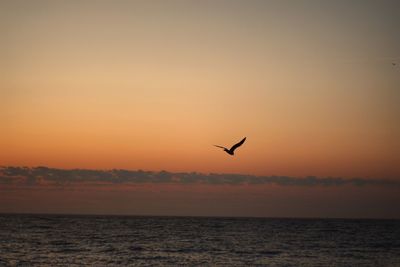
pixel 231 151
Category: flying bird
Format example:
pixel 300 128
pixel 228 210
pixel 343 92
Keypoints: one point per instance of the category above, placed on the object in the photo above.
pixel 231 151
pixel 394 63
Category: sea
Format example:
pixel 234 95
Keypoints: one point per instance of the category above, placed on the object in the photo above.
pixel 89 240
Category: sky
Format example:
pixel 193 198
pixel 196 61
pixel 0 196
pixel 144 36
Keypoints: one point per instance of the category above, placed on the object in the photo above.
pixel 152 85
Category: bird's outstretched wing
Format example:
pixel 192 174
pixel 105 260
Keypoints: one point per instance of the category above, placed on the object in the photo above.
pixel 237 145
pixel 220 147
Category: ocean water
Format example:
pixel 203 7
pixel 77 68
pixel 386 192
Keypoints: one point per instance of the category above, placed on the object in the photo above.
pixel 72 240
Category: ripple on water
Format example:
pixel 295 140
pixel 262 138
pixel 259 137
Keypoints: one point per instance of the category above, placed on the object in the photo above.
pixel 155 241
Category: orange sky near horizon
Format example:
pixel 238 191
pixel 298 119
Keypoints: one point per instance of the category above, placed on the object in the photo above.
pixel 154 84
pixel 207 200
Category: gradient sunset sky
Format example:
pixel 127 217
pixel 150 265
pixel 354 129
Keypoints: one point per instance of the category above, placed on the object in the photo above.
pixel 152 85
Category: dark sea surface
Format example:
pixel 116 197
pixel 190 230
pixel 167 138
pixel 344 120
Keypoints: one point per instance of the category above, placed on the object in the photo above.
pixel 74 240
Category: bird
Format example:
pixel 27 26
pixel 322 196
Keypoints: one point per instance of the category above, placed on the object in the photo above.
pixel 394 63
pixel 231 151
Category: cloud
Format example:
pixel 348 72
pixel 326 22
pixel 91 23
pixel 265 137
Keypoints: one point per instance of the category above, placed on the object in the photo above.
pixel 38 176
